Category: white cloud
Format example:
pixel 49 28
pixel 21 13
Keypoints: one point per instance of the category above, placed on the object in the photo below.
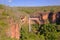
pixel 9 0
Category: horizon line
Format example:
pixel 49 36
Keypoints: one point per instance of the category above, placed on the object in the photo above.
pixel 29 6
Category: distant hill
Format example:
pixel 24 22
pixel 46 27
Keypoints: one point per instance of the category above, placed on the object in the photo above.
pixel 34 9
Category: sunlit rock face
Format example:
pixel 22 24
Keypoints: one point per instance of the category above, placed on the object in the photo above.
pixel 54 18
pixel 13 31
pixel 45 17
pixel 41 16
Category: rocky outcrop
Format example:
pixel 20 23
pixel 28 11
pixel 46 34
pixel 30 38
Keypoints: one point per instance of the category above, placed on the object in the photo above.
pixel 13 31
pixel 40 18
pixel 47 17
pixel 54 17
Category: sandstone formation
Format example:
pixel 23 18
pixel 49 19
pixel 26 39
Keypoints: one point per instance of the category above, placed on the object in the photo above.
pixel 45 17
pixel 38 17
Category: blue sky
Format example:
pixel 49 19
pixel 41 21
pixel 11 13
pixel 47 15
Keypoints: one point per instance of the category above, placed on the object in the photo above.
pixel 30 2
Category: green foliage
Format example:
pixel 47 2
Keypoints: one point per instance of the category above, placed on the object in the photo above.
pixel 1 6
pixel 28 11
pixel 3 27
pixel 4 13
pixel 52 10
pixel 26 35
pixel 49 31
pixel 35 27
pixel 45 10
pixel 44 32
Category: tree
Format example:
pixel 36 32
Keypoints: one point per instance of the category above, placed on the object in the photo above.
pixel 49 31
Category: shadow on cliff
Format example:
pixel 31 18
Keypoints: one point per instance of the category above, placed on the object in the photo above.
pixel 50 17
pixel 58 18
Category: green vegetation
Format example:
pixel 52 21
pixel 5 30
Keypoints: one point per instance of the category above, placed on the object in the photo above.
pixel 26 35
pixel 42 32
pixel 30 10
pixel 3 27
pixel 1 6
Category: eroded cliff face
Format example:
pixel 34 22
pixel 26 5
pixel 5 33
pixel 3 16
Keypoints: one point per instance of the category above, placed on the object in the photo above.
pixel 13 31
pixel 48 17
pixel 54 17
pixel 41 18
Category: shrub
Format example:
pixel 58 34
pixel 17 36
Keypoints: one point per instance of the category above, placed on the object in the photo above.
pixel 49 31
pixel 26 35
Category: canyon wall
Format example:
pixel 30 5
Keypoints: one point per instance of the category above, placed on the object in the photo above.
pixel 41 18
